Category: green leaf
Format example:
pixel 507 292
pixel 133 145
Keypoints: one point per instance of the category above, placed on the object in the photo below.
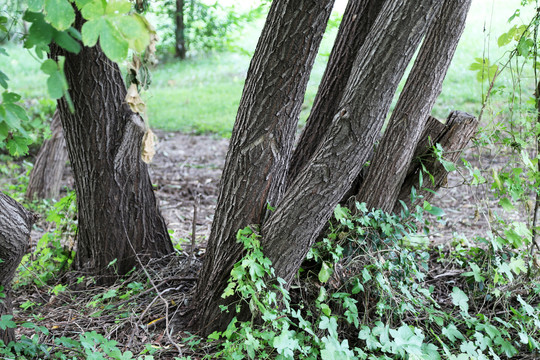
pixel 459 298
pixel 59 13
pixel 325 273
pixel 118 7
pixel 49 67
pixel 112 43
pixel 55 85
pixel 3 80
pixel 68 43
pixel 40 32
pixel 34 5
pixel 340 213
pixel 133 28
pixel 82 3
pixel 90 31
pixel 506 204
pixel 93 10
pixel 6 322
pixel 18 145
pixel 10 97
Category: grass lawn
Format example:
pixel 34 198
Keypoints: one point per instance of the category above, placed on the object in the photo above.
pixel 201 95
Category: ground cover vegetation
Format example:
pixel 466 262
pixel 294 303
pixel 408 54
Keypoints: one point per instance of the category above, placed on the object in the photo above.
pixel 292 267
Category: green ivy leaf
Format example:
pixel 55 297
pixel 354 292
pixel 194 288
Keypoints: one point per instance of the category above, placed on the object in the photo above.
pixel 506 204
pixel 112 43
pixel 459 298
pixel 325 273
pixel 6 322
pixel 59 13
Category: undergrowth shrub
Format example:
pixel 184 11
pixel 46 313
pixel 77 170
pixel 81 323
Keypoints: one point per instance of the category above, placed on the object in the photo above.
pixel 380 293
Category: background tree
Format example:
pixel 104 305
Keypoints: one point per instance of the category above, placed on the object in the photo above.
pixel 339 155
pixel 46 175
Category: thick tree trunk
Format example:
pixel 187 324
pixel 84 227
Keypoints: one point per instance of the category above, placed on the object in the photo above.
pixel 15 225
pixel 387 170
pixel 357 21
pixel 293 226
pixel 453 136
pixel 117 208
pixel 46 176
pixel 180 49
pixel 262 140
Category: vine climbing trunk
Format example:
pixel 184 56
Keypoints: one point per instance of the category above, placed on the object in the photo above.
pixel 46 175
pixel 262 140
pixel 15 225
pixel 118 215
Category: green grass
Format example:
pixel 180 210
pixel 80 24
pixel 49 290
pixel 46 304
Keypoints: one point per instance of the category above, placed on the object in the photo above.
pixel 201 95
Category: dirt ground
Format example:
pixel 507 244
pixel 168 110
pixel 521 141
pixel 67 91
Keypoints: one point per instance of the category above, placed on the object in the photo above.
pixel 186 171
pixel 187 168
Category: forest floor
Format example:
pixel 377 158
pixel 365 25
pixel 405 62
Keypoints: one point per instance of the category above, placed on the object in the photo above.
pixel 186 172
pixel 187 168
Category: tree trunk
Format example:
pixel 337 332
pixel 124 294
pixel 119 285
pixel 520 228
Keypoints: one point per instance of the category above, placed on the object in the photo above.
pixel 293 226
pixel 180 49
pixel 453 136
pixel 15 226
pixel 261 142
pixel 357 21
pixel 46 176
pixel 387 170
pixel 117 209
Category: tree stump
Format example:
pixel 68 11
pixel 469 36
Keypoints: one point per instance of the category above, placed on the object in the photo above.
pixel 453 136
pixel 15 225
pixel 46 176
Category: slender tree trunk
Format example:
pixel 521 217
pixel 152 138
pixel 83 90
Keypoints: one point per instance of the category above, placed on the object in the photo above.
pixel 117 209
pixel 293 226
pixel 46 176
pixel 387 170
pixel 357 21
pixel 262 141
pixel 180 49
pixel 453 136
pixel 15 226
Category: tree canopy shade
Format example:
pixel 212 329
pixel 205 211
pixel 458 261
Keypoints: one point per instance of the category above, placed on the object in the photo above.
pixel 377 41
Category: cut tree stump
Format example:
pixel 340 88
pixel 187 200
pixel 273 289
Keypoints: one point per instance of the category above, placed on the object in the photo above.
pixel 15 225
pixel 453 136
pixel 46 176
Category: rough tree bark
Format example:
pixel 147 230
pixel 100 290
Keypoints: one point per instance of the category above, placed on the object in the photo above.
pixel 387 170
pixel 292 227
pixel 15 225
pixel 180 49
pixel 117 209
pixel 262 140
pixel 453 136
pixel 358 19
pixel 45 177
